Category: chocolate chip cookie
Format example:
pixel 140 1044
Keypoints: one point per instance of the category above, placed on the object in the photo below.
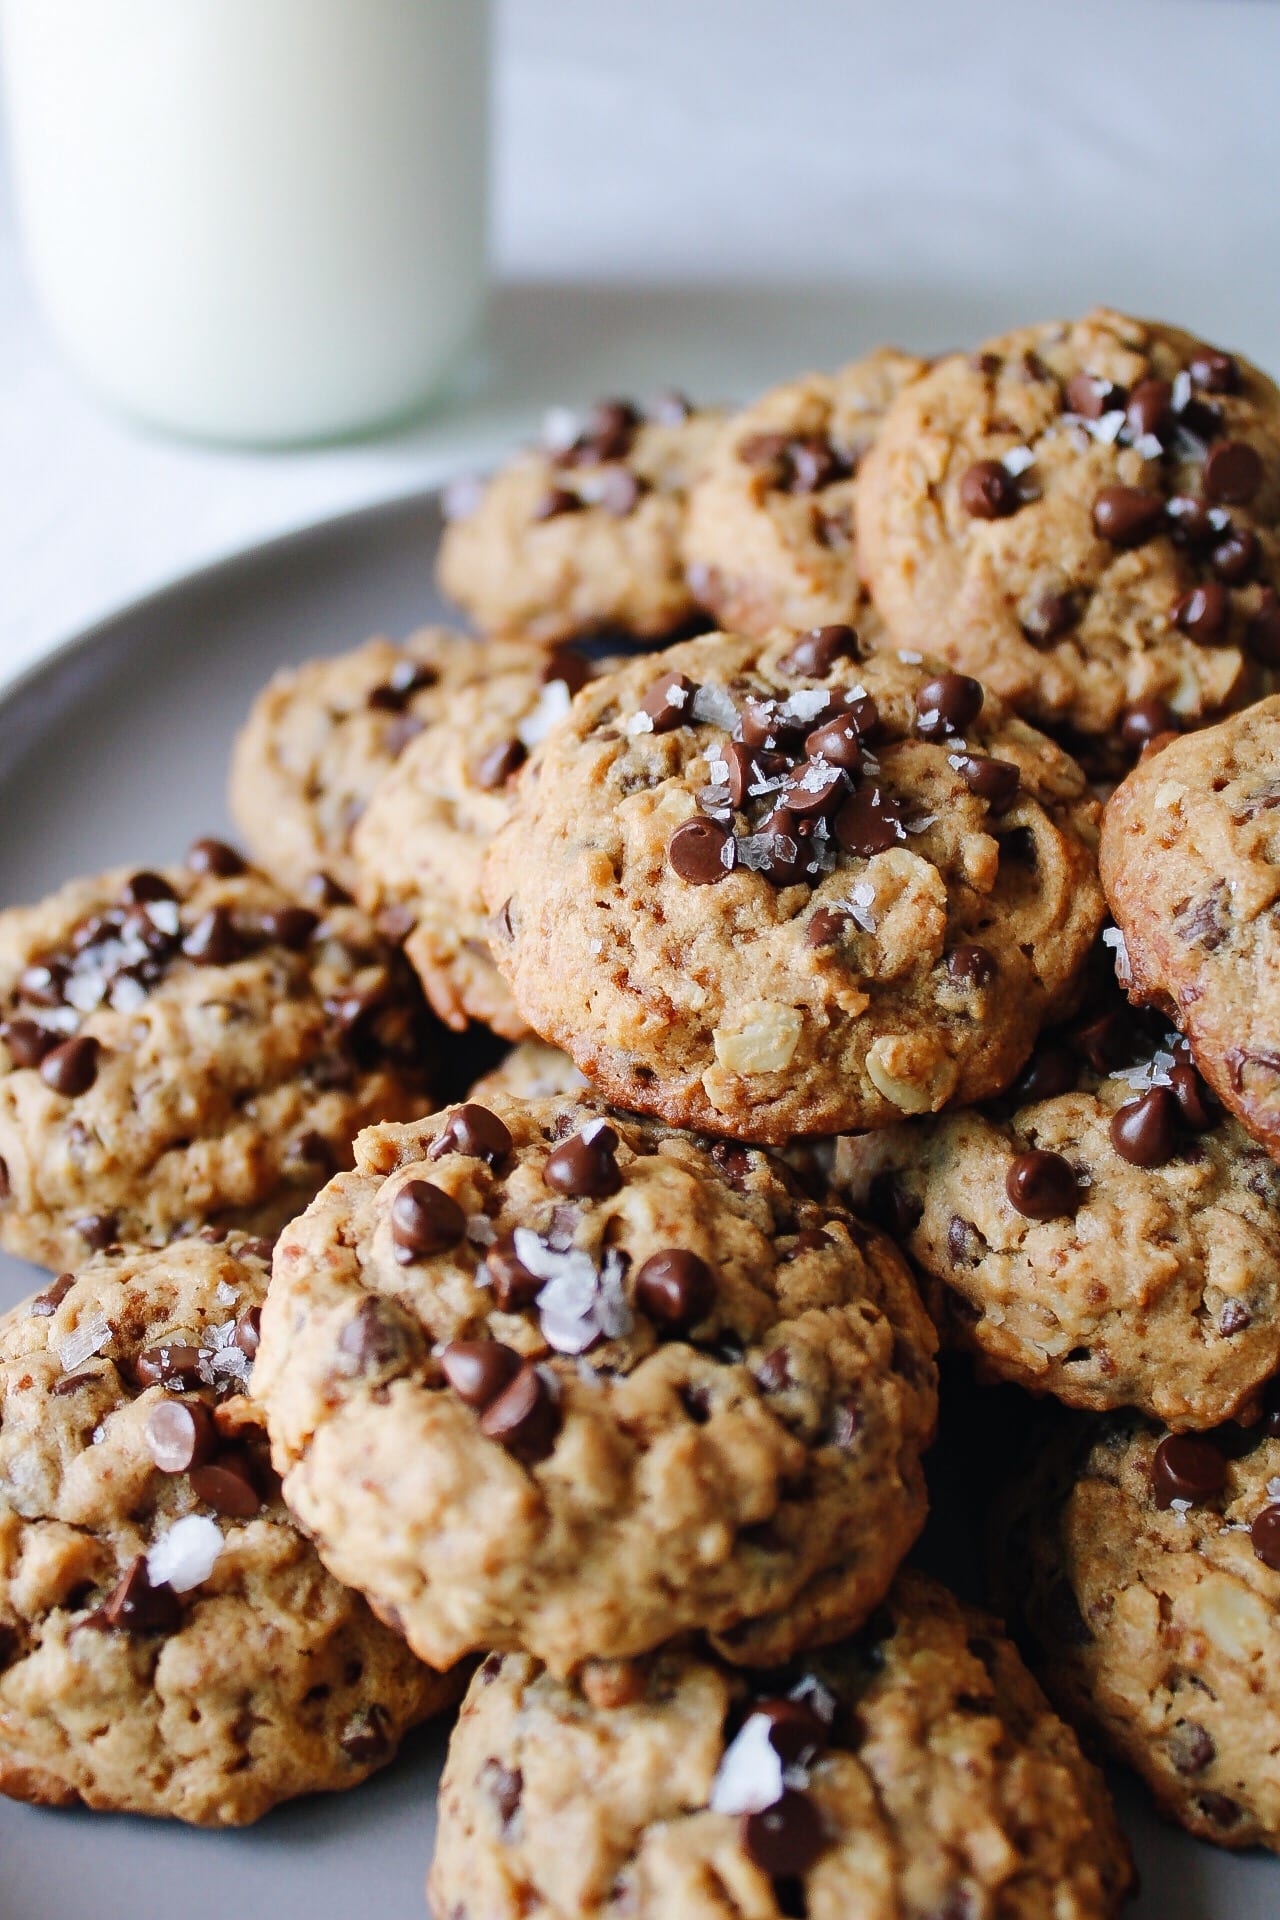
pixel 912 1772
pixel 1085 515
pixel 531 1071
pixel 189 1045
pixel 1191 862
pixel 1144 1566
pixel 769 539
pixel 549 1379
pixel 169 1642
pixel 582 534
pixel 773 888
pixel 419 847
pixel 1105 1234
pixel 316 743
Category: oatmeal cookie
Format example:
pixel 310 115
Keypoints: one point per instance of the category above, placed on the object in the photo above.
pixel 541 1377
pixel 773 888
pixel 169 1642
pixel 531 1071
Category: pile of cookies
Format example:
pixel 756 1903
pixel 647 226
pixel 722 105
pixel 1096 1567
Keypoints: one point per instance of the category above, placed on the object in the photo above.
pixel 862 813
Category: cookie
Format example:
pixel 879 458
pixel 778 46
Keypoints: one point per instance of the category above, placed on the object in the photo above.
pixel 1144 1569
pixel 419 846
pixel 531 1071
pixel 770 888
pixel 1086 516
pixel 186 1046
pixel 769 538
pixel 544 1378
pixel 1106 1234
pixel 582 534
pixel 316 743
pixel 169 1642
pixel 913 1772
pixel 1191 862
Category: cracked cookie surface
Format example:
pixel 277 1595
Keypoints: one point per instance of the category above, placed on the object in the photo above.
pixel 544 1377
pixel 169 1642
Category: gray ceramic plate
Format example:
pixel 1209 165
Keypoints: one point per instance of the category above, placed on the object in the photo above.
pixel 116 750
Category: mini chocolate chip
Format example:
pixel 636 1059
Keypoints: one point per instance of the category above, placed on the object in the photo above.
pixel 1050 615
pixel 215 856
pixel 785 1839
pixel 701 852
pixel 970 966
pixel 816 652
pixel 478 1370
pixel 1052 1070
pixel 869 822
pixel 28 1042
pixel 1041 1186
pixel 1233 472
pixel 814 788
pixel 1190 1747
pixel 796 1731
pixel 668 702
pixel 762 724
pixel 51 1299
pixel 214 941
pixel 1091 396
pixel 827 927
pixel 554 502
pixel 675 1287
pixel 1234 1318
pixel 1235 557
pixel 144 886
pixel 1214 371
pixel 72 1068
pixel 493 768
pixel 473 1130
pixel 248 1332
pixel 1127 516
pixel 72 1382
pixel 1149 406
pixel 513 1284
pixel 289 927
pixel 135 1606
pixel 947 705
pixel 1145 1131
pixel 1204 613
pixel 1262 634
pixel 988 491
pixel 424 1220
pixel 585 1168
pixel 226 1485
pixel 1265 1535
pixel 180 1434
pixel 525 1417
pixel 1186 1466
pixel 1146 721
pixel 837 742
pixel 174 1365
pixel 995 781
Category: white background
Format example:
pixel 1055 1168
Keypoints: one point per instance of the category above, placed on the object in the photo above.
pixel 717 192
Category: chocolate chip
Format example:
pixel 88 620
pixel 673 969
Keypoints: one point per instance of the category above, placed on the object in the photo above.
pixel 787 855
pixel 837 742
pixel 97 1230
pixel 493 768
pixel 607 434
pixel 1235 557
pixel 785 1839
pixel 796 1731
pixel 815 787
pixel 1091 397
pixel 1145 1131
pixel 554 502
pixel 366 1738
pixel 248 1332
pixel 1190 1747
pixel 478 1370
pixel 215 856
pixel 226 1485
pixel 845 1424
pixel 869 822
pixel 1213 371
pixel 51 1299
pixel 827 927
pixel 289 927
pixel 324 889
pixel 995 781
pixel 144 886
pixel 473 1130
pixel 407 678
pixel 45 984
pixel 816 652
pixel 668 702
pixel 505 1787
pixel 1052 1070
pixel 675 1288
pixel 1041 1186
pixel 214 941
pixel 180 1434
pixel 1204 613
pixel 1146 721
pixel 1107 1041
pixel 763 449
pixel 1186 1466
pixel 1149 407
pixel 585 1168
pixel 1127 516
pixel 1265 1535
pixel 701 852
pixel 1233 472
pixel 424 1220
pixel 562 663
pixel 513 1284
pixel 1049 616
pixel 1262 634
pixel 1218 1808
pixel 970 966
pixel 762 724
pixel 988 491
pixel 947 705
pixel 773 1374
pixel 172 1365
pixel 135 1606
pixel 28 1042
pixel 892 1207
pixel 525 1417
pixel 72 1068
pixel 377 1340
pixel 813 463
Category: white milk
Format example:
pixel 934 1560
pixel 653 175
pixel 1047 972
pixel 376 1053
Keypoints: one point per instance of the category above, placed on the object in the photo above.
pixel 254 220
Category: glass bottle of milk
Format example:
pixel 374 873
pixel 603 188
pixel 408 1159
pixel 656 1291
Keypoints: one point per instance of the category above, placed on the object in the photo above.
pixel 253 220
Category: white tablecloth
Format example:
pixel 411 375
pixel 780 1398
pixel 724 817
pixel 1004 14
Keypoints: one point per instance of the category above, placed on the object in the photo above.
pixel 715 193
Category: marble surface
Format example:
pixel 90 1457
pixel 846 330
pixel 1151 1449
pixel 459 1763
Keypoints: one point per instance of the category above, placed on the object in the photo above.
pixel 718 194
